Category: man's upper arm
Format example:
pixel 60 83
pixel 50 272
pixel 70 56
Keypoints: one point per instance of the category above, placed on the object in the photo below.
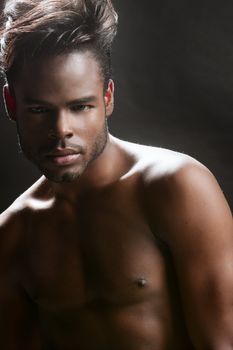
pixel 196 223
pixel 17 320
pixel 17 314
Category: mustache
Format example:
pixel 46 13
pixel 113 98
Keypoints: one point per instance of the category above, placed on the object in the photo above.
pixel 61 144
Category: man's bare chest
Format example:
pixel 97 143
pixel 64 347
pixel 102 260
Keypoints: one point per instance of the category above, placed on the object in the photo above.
pixel 105 249
pixel 102 266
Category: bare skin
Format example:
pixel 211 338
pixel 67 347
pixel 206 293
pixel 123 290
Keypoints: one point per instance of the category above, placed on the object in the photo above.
pixel 135 254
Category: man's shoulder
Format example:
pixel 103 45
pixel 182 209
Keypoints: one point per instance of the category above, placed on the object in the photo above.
pixel 171 180
pixel 14 219
pixel 157 165
pixel 170 174
pixel 179 193
pixel 171 169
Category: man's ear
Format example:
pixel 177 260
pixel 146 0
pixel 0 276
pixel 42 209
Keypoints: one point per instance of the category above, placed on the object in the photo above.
pixel 109 98
pixel 10 102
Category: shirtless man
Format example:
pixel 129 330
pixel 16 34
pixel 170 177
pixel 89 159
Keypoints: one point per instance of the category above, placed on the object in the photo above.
pixel 118 246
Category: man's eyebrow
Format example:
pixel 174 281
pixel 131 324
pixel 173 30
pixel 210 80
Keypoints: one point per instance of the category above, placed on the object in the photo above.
pixel 30 100
pixel 85 99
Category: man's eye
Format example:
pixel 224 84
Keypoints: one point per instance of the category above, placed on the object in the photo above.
pixel 38 110
pixel 77 108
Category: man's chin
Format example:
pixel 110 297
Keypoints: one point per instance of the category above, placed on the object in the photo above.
pixel 63 177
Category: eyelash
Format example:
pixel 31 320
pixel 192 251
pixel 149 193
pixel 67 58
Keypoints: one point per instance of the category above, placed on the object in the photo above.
pixel 80 107
pixel 38 110
pixel 43 110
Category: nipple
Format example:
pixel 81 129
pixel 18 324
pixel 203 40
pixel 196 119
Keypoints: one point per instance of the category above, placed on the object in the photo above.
pixel 141 282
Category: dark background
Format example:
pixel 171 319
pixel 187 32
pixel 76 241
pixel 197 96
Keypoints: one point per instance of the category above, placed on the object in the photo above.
pixel 173 70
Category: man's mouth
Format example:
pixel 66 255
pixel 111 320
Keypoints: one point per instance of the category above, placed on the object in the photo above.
pixel 63 157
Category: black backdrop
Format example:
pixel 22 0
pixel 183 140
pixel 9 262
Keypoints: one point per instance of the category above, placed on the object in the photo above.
pixel 173 70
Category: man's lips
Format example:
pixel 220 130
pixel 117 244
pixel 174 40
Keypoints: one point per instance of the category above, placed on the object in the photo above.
pixel 63 157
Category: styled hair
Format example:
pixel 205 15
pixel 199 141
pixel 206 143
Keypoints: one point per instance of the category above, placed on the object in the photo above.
pixel 36 28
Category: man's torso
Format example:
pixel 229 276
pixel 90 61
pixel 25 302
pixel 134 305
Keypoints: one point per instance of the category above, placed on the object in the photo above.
pixel 98 276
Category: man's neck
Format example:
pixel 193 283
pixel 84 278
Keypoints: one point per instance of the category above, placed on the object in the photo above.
pixel 106 169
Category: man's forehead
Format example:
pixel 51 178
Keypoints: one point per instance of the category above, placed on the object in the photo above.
pixel 65 69
pixel 66 77
pixel 76 63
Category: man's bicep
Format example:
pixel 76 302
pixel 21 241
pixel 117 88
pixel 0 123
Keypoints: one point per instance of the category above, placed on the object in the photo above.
pixel 18 319
pixel 206 288
pixel 199 233
pixel 18 314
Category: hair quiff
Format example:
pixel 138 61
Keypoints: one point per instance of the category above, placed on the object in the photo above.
pixel 38 27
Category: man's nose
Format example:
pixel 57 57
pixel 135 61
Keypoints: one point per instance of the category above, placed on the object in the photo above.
pixel 61 126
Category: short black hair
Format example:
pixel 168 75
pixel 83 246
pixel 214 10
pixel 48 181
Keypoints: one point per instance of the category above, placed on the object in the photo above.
pixel 36 28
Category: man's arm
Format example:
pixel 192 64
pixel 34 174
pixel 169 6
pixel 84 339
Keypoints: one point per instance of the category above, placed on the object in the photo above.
pixel 18 320
pixel 196 223
pixel 18 315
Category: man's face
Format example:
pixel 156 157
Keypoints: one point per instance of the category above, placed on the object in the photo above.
pixel 61 114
